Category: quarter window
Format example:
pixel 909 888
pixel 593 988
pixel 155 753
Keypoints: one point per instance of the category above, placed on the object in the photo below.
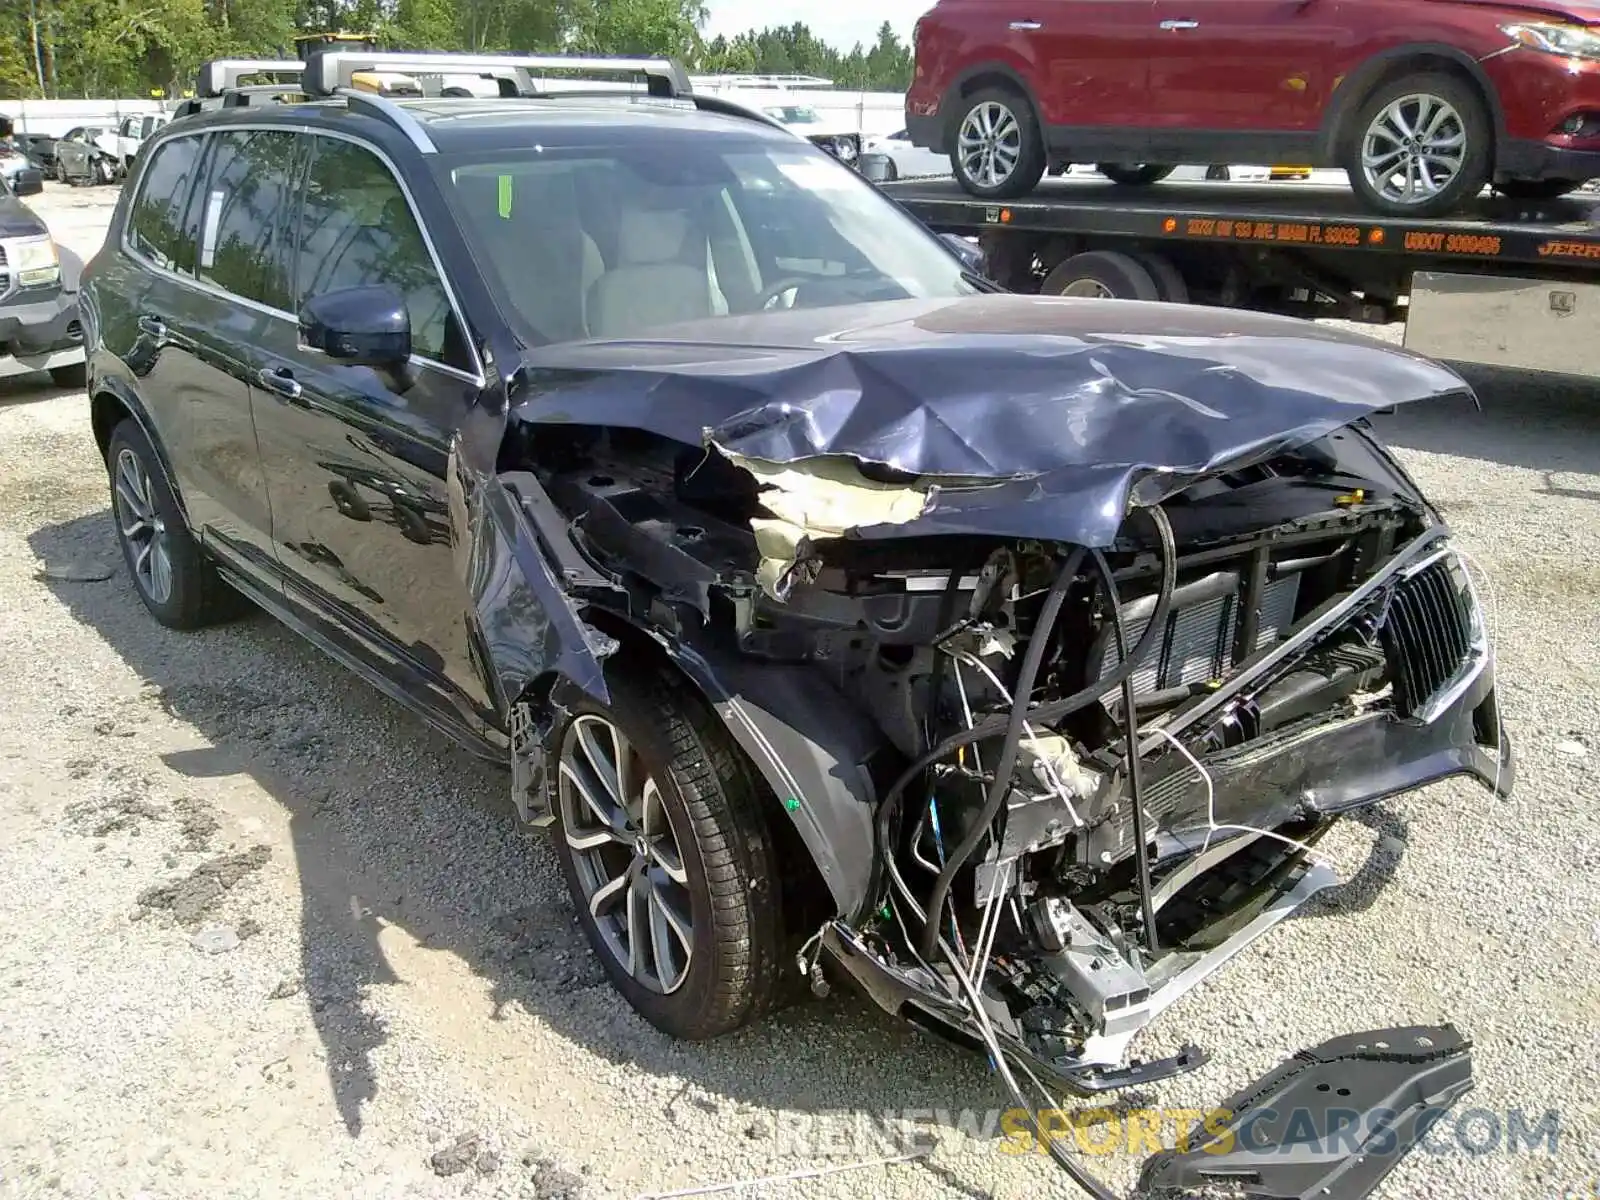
pixel 356 229
pixel 245 209
pixel 157 229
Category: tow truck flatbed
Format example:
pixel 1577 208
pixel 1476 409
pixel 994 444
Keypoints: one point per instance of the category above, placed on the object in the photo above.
pixel 1504 282
pixel 1296 214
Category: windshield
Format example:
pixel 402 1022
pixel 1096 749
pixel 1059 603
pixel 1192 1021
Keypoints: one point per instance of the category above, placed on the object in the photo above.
pixel 612 242
pixel 794 114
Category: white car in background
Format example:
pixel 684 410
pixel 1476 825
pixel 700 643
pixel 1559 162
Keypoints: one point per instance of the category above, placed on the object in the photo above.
pixel 911 162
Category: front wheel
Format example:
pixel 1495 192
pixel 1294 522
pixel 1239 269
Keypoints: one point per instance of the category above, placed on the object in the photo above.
pixel 1537 189
pixel 1134 174
pixel 662 835
pixel 1420 146
pixel 998 153
pixel 104 172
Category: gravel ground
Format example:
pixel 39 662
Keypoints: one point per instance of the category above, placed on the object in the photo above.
pixel 268 935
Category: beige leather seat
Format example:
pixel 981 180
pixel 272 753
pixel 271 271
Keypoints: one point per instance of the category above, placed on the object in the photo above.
pixel 662 275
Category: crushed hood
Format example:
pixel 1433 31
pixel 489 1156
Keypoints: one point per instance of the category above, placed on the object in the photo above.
pixel 1020 416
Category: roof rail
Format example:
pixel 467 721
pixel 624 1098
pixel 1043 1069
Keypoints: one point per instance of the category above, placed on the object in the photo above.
pixel 331 71
pixel 388 111
pixel 223 74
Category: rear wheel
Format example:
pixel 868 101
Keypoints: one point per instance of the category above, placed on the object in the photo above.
pixel 1101 275
pixel 1169 281
pixel 1537 189
pixel 174 579
pixel 662 835
pixel 1133 174
pixel 998 152
pixel 1420 146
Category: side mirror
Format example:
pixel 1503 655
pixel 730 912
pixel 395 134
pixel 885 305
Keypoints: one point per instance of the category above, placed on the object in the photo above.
pixel 878 168
pixel 363 326
pixel 971 256
pixel 28 183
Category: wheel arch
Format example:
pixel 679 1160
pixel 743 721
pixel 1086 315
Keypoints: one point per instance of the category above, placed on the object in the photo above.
pixel 991 73
pixel 786 721
pixel 111 404
pixel 1353 91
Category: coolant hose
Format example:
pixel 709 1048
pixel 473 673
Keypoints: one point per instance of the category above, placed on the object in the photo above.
pixel 1038 642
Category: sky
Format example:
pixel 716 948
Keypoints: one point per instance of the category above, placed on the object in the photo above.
pixel 837 22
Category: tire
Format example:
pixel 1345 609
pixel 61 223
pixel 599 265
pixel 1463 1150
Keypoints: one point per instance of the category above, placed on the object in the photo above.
pixel 1010 111
pixel 1471 124
pixel 1218 174
pixel 1170 286
pixel 1103 274
pixel 74 375
pixel 61 172
pixel 1134 174
pixel 714 806
pixel 195 595
pixel 1537 189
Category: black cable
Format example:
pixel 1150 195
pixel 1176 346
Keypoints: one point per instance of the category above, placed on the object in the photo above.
pixel 1130 733
pixel 1038 642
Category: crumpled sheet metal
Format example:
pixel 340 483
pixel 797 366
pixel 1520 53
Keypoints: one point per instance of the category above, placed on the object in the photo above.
pixel 1033 417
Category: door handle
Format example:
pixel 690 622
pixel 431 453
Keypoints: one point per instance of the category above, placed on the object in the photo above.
pixel 280 380
pixel 1180 24
pixel 153 327
pixel 1024 26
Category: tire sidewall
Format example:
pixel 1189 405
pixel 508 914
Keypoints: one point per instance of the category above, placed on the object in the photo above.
pixel 187 563
pixel 1475 172
pixel 1030 166
pixel 676 1013
pixel 1127 280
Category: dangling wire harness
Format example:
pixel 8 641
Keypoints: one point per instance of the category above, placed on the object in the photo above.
pixel 1023 715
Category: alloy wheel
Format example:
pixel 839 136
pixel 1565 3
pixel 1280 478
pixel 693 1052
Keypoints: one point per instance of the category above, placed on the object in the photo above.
pixel 629 864
pixel 989 143
pixel 1413 149
pixel 143 531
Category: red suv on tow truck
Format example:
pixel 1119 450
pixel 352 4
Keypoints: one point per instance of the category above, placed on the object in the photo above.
pixel 1422 102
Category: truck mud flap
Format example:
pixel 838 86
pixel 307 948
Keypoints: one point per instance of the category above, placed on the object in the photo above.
pixel 1329 1123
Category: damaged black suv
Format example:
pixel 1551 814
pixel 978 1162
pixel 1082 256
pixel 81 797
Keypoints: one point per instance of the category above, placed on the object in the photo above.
pixel 1005 655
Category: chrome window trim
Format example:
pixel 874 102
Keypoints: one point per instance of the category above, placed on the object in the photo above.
pixel 479 377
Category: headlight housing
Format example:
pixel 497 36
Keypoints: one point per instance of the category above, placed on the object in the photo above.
pixel 33 261
pixel 1552 37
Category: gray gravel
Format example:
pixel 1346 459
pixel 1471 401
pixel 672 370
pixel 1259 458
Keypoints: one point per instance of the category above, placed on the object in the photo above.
pixel 266 935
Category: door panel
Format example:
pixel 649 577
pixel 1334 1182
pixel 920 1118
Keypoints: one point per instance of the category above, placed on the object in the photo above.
pixel 1090 56
pixel 1242 65
pixel 357 465
pixel 190 354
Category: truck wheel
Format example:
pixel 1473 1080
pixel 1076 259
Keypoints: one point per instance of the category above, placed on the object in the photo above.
pixel 1537 189
pixel 1169 280
pixel 1420 146
pixel 662 835
pixel 1103 275
pixel 1134 174
pixel 177 582
pixel 998 153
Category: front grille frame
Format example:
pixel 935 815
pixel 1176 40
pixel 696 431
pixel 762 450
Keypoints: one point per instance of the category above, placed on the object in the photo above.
pixel 1433 635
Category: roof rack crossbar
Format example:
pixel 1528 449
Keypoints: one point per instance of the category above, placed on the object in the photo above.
pixel 388 111
pixel 223 74
pixel 241 97
pixel 332 70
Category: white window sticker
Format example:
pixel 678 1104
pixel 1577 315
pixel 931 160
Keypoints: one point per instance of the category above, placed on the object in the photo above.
pixel 208 244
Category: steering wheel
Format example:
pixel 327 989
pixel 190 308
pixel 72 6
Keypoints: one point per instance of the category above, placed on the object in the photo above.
pixel 778 287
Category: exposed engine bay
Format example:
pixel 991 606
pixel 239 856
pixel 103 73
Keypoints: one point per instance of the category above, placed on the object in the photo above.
pixel 1049 784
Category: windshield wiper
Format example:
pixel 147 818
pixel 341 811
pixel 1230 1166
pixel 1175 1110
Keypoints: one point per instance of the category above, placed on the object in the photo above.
pixel 980 282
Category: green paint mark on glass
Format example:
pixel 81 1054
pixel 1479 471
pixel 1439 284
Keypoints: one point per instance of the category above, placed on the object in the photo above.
pixel 505 197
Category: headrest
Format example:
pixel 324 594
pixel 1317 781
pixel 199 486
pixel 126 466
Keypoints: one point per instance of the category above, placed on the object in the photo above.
pixel 651 235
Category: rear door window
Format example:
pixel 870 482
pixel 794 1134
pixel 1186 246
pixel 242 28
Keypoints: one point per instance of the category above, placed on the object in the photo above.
pixel 158 229
pixel 246 215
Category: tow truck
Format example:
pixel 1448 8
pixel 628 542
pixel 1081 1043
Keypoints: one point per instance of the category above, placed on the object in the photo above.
pixel 1502 283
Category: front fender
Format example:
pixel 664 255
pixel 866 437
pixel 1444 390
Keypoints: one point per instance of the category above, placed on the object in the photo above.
pixel 814 751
